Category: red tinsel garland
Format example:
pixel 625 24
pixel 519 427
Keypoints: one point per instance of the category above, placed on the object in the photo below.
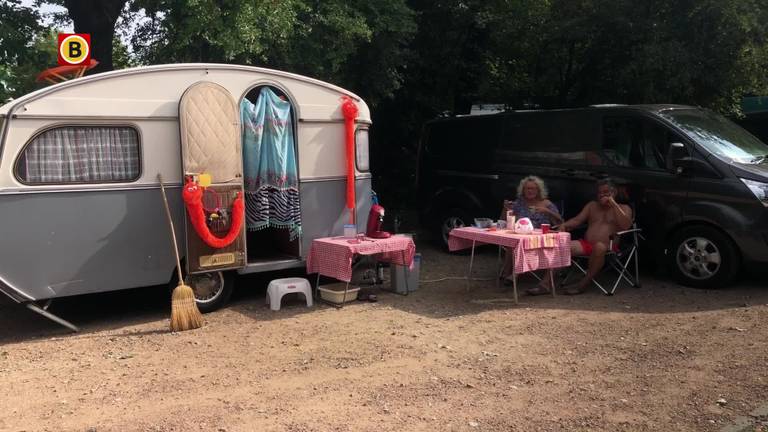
pixel 193 199
pixel 349 109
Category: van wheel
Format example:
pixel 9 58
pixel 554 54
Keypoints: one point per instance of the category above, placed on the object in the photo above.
pixel 703 257
pixel 450 219
pixel 212 290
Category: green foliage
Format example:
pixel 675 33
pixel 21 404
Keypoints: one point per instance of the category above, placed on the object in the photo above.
pixel 358 45
pixel 26 48
pixel 578 52
pixel 211 30
pixel 120 56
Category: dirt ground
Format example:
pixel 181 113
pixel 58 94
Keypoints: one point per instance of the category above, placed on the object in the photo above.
pixel 658 358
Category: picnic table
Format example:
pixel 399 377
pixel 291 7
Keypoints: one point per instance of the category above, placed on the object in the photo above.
pixel 530 252
pixel 333 256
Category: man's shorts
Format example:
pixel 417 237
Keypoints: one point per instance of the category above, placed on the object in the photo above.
pixel 587 246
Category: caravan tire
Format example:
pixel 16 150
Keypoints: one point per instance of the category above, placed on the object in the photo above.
pixel 212 290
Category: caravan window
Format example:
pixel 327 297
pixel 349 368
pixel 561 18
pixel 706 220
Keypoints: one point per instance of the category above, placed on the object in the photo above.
pixel 81 154
pixel 362 150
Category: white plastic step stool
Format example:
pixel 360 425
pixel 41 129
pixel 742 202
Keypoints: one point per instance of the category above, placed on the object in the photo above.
pixel 280 287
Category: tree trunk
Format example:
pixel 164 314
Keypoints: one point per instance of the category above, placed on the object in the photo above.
pixel 98 18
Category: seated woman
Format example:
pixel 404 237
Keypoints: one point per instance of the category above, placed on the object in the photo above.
pixel 532 203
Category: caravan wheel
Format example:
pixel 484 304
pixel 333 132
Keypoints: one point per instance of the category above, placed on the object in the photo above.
pixel 212 290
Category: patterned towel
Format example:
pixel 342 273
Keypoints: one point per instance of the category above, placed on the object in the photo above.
pixel 271 180
pixel 540 241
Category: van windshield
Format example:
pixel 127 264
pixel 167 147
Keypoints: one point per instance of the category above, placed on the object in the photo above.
pixel 718 135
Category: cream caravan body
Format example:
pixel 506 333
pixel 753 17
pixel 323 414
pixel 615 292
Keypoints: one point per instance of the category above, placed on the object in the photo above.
pixel 70 238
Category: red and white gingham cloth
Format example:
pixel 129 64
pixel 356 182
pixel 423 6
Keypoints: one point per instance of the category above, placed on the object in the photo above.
pixel 527 258
pixel 332 256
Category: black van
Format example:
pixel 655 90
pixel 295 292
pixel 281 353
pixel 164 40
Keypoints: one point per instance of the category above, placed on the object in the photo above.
pixel 756 123
pixel 698 182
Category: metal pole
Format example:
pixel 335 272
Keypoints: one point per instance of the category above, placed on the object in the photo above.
pixel 35 308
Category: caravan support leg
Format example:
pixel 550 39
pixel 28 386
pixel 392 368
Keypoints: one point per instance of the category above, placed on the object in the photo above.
pixel 35 308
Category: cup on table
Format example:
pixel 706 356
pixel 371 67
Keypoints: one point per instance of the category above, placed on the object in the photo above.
pixel 350 231
pixel 544 228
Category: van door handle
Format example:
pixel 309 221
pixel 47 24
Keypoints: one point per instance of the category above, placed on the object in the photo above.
pixel 569 172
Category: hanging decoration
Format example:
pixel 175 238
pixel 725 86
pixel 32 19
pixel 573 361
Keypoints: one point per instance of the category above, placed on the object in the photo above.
pixel 349 110
pixel 193 199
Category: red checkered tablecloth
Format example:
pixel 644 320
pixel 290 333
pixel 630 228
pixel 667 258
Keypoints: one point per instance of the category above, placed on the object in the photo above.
pixel 332 256
pixel 532 251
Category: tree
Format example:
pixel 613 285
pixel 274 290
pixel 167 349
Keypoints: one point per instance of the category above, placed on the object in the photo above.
pixel 26 48
pixel 211 30
pixel 97 18
pixel 359 45
pixel 700 52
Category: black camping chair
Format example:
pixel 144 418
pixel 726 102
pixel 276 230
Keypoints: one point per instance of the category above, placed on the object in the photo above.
pixel 622 262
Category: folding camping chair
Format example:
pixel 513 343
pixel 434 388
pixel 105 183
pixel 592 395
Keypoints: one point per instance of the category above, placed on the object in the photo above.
pixel 623 261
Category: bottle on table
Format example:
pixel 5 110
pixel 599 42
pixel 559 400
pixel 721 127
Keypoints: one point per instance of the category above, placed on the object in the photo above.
pixel 511 220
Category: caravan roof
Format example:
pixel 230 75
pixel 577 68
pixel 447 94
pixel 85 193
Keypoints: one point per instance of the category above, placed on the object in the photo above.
pixel 95 95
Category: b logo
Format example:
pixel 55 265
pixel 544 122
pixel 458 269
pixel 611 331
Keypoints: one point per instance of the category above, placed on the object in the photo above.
pixel 74 48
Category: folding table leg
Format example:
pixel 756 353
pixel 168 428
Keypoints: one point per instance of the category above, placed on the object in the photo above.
pixel 552 281
pixel 514 275
pixel 471 261
pixel 514 284
pixel 344 299
pixel 498 269
pixel 407 273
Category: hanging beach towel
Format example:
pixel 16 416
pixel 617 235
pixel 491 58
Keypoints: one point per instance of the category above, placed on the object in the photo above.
pixel 271 179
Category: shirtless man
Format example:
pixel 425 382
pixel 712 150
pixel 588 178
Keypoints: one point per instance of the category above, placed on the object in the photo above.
pixel 604 217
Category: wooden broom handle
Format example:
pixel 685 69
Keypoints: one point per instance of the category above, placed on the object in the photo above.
pixel 173 231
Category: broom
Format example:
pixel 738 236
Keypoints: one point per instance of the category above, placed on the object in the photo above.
pixel 184 312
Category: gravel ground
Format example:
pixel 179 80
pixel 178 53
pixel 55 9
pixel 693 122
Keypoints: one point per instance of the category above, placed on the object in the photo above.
pixel 661 357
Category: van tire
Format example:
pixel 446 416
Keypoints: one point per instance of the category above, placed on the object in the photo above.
pixel 212 290
pixel 702 257
pixel 447 219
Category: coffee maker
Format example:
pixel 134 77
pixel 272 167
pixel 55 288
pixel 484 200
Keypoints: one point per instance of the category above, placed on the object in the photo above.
pixel 376 220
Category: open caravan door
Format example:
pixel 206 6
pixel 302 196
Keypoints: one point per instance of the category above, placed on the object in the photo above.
pixel 213 181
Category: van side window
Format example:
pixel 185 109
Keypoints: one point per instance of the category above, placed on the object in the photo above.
pixel 636 142
pixel 541 136
pixel 81 154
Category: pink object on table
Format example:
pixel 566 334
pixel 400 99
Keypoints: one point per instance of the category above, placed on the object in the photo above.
pixel 332 256
pixel 534 251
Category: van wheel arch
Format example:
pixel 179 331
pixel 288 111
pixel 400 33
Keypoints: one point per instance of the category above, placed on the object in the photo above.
pixel 714 241
pixel 453 208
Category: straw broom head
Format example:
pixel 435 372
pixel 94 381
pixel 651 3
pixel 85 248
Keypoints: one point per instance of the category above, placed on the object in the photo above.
pixel 184 312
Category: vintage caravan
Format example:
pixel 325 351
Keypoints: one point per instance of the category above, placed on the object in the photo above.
pixel 81 200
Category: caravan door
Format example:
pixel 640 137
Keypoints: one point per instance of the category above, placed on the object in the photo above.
pixel 212 157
